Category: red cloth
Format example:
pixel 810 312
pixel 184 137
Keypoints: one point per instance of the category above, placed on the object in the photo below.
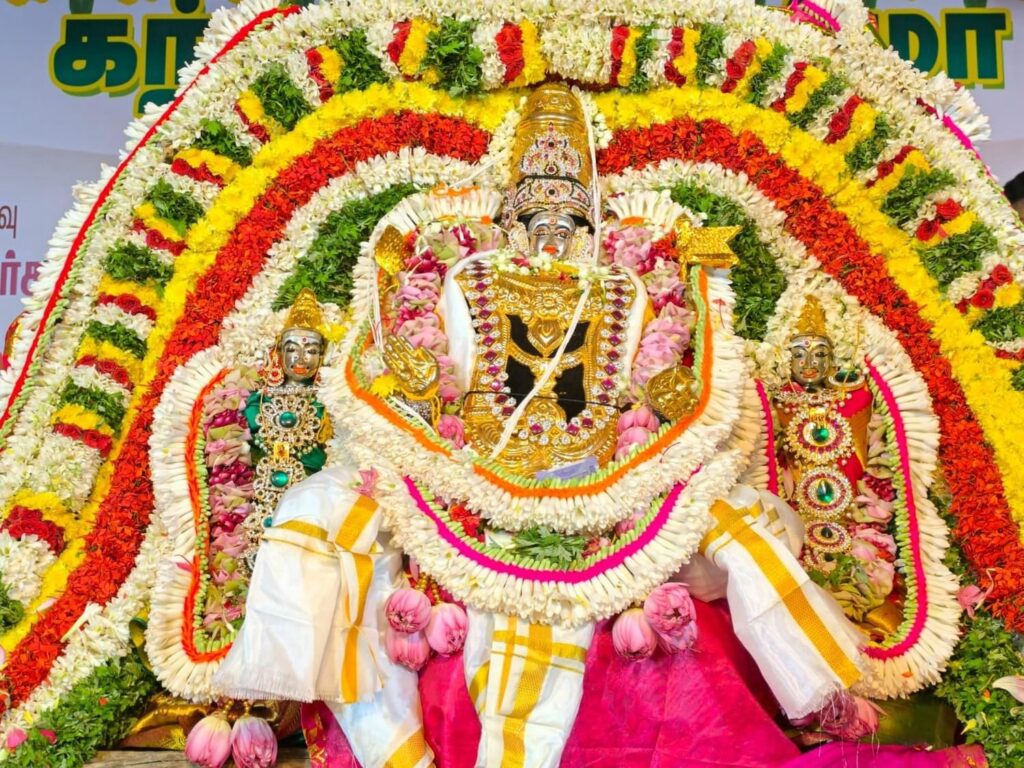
pixel 708 708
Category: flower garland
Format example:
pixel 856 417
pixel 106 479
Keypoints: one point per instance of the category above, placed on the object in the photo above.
pixel 47 352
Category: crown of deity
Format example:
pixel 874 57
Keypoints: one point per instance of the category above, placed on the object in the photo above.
pixel 812 319
pixel 306 314
pixel 551 169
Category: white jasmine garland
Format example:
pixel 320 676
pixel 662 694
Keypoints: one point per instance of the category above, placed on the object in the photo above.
pixel 23 561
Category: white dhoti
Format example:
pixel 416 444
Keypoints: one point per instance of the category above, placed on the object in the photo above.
pixel 315 618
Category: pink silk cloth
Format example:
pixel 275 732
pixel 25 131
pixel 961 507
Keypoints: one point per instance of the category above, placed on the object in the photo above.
pixel 708 708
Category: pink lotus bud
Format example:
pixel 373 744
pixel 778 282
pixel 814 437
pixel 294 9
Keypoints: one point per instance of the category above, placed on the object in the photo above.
pixel 408 649
pixel 849 717
pixel 15 738
pixel 639 417
pixel 452 429
pixel 253 744
pixel 633 636
pixel 446 631
pixel 408 610
pixel 209 742
pixel 50 736
pixel 670 612
pixel 971 598
pixel 629 439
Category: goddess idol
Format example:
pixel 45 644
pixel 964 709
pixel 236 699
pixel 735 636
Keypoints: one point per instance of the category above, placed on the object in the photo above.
pixel 539 432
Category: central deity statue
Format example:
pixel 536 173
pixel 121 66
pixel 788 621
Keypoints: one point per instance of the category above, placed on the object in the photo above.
pixel 537 427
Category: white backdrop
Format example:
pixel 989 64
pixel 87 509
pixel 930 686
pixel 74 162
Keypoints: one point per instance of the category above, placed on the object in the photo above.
pixel 49 139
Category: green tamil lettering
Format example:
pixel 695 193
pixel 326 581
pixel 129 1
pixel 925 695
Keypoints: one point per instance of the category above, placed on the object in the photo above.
pixel 914 35
pixel 96 53
pixel 168 42
pixel 974 44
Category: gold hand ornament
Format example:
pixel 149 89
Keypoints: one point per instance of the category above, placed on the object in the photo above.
pixel 415 369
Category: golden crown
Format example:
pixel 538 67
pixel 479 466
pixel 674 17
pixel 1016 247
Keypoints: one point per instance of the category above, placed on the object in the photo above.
pixel 551 168
pixel 306 314
pixel 812 319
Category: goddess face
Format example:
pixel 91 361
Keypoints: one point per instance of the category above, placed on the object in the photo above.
pixel 810 360
pixel 550 234
pixel 301 353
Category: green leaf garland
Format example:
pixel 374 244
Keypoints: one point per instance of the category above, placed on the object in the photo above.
pixel 710 49
pixel 214 137
pixel 106 406
pixel 327 267
pixel 865 155
pixel 118 335
pixel 771 68
pixel 451 53
pixel 757 280
pixel 832 87
pixel 362 68
pixel 176 208
pixel 133 263
pixel 959 254
pixel 97 713
pixel 903 202
pixel 11 611
pixel 281 98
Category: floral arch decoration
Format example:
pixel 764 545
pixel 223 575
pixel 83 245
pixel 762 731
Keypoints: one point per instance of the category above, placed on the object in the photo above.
pixel 297 129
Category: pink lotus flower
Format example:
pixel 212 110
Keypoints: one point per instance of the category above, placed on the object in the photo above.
pixel 15 738
pixel 446 630
pixel 408 610
pixel 882 542
pixel 873 506
pixel 633 636
pixel 452 429
pixel 630 247
pixel 408 649
pixel 664 286
pixel 971 598
pixel 209 742
pixel 448 389
pixel 368 482
pixel 642 417
pixel 253 744
pixel 669 610
pixel 625 526
pixel 849 717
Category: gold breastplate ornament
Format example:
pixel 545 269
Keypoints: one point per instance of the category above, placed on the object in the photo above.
pixel 543 304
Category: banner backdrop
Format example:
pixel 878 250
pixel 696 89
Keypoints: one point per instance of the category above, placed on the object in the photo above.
pixel 75 72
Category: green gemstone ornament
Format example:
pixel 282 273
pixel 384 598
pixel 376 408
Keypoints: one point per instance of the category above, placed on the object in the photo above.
pixel 825 492
pixel 820 434
pixel 287 419
pixel 268 521
pixel 279 479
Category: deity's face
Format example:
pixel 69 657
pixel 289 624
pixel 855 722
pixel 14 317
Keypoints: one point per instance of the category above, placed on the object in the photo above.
pixel 301 353
pixel 551 233
pixel 810 360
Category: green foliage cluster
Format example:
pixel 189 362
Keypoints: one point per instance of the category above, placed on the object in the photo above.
pixel 96 713
pixel 1017 379
pixel 119 336
pixel 216 138
pixel 11 611
pixel 865 155
pixel 362 68
pixel 177 209
pixel 903 202
pixel 959 254
pixel 710 49
pixel 108 407
pixel 832 87
pixel 757 280
pixel 771 68
pixel 280 97
pixel 987 652
pixel 451 53
pixel 127 261
pixel 542 544
pixel 645 46
pixel 1002 323
pixel 327 268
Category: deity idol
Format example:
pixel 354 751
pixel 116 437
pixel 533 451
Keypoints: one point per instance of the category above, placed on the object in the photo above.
pixel 824 417
pixel 543 432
